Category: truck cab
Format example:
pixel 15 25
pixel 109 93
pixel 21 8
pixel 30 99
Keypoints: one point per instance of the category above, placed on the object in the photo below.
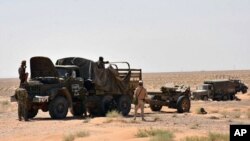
pixel 51 88
pixel 202 92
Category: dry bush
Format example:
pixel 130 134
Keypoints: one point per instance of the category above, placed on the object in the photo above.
pixel 4 106
pixel 113 114
pixel 82 134
pixel 214 111
pixel 224 114
pixel 210 137
pixel 236 114
pixel 248 113
pixel 69 137
pixel 195 126
pixel 72 137
pixel 156 134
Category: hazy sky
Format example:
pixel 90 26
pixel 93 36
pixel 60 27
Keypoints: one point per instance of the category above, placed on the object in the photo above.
pixel 155 35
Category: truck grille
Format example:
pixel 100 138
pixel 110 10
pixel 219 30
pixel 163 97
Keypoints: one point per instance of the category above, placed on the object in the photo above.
pixel 33 90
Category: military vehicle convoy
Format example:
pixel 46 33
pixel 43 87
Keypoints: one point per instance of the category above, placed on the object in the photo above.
pixel 177 97
pixel 78 84
pixel 221 89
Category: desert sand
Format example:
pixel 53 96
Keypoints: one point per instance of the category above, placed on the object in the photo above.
pixel 218 119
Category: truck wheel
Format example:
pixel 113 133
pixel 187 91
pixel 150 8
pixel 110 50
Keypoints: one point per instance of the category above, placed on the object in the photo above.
pixel 183 104
pixel 58 108
pixel 78 109
pixel 32 113
pixel 225 97
pixel 154 106
pixel 244 91
pixel 106 104
pixel 124 105
pixel 93 106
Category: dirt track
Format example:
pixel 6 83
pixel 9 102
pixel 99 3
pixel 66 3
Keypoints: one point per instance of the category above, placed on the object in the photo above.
pixel 220 116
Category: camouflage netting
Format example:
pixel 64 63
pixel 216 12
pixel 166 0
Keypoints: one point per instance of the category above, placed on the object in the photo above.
pixel 107 80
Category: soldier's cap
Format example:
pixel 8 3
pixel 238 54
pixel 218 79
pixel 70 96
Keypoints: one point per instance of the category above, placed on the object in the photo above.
pixel 140 82
pixel 23 62
pixel 101 58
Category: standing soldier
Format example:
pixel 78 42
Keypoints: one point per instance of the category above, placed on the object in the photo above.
pixel 101 63
pixel 22 99
pixel 141 94
pixel 22 74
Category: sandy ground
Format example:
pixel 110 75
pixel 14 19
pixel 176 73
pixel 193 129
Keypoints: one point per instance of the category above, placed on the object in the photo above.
pixel 220 115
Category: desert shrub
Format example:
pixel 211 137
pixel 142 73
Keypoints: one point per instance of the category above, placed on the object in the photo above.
pixel 210 137
pixel 248 113
pixel 218 137
pixel 195 126
pixel 155 134
pixel 163 136
pixel 69 137
pixel 4 105
pixel 113 114
pixel 81 134
pixel 195 138
pixel 224 114
pixel 236 114
pixel 214 111
pixel 72 137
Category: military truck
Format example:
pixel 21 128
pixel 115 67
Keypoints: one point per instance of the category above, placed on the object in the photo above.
pixel 177 97
pixel 107 89
pixel 78 84
pixel 219 89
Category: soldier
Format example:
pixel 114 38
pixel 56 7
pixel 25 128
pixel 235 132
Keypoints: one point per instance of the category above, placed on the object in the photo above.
pixel 22 74
pixel 22 99
pixel 101 63
pixel 141 94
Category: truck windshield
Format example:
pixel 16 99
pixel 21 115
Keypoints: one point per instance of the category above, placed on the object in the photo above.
pixel 62 72
pixel 202 87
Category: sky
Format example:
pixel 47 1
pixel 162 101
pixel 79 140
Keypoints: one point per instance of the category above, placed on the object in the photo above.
pixel 154 35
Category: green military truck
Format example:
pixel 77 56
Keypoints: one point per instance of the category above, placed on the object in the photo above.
pixel 176 97
pixel 77 84
pixel 219 89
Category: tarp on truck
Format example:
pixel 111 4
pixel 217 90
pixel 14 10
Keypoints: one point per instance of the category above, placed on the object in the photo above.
pixel 107 80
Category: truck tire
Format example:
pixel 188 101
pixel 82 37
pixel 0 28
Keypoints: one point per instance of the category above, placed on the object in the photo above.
pixel 124 105
pixel 78 109
pixel 155 107
pixel 244 91
pixel 58 108
pixel 183 104
pixel 106 104
pixel 94 106
pixel 32 113
pixel 225 97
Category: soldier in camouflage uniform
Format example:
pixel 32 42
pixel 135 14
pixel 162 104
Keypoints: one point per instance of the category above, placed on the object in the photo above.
pixel 22 98
pixel 22 74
